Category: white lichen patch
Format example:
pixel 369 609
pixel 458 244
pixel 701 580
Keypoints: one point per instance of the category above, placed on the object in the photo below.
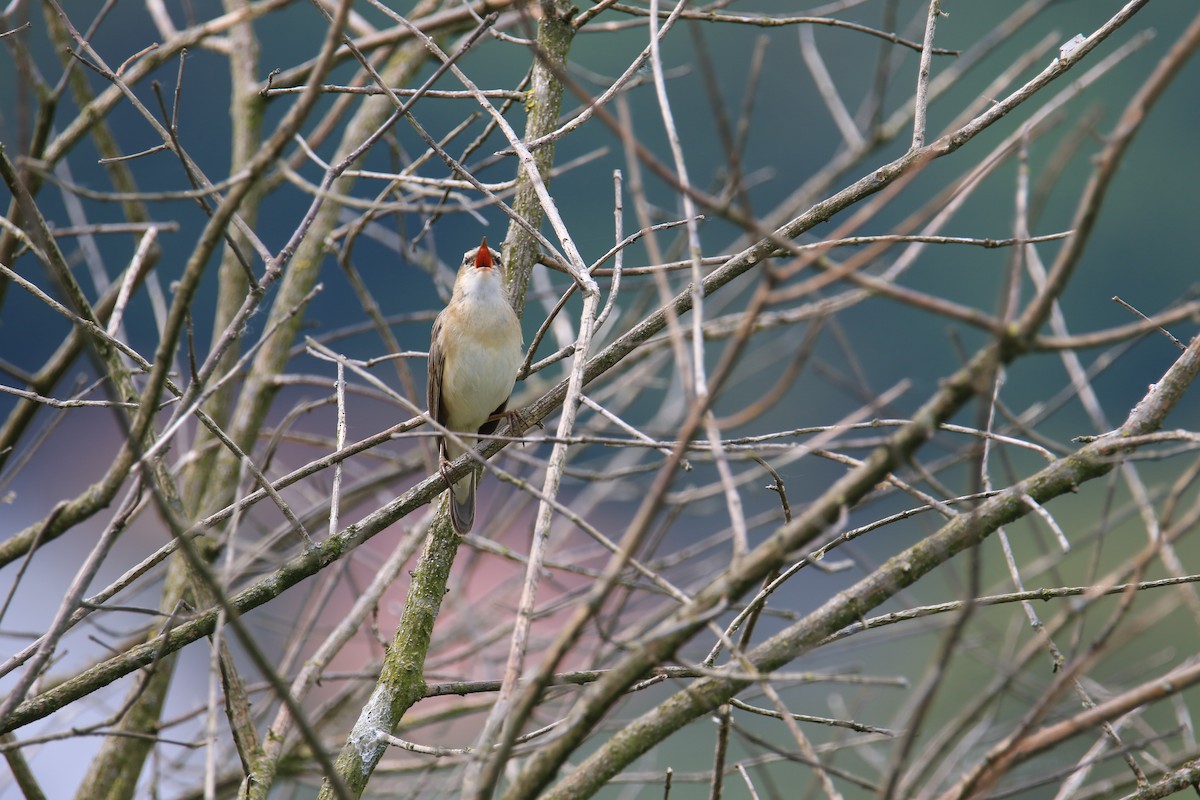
pixel 1069 47
pixel 374 720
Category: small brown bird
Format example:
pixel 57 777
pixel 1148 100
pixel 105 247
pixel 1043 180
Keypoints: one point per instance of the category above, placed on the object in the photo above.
pixel 473 360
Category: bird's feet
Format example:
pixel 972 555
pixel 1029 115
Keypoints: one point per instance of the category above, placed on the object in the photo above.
pixel 516 421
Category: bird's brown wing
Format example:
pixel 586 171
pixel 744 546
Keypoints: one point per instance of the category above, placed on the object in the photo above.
pixel 433 391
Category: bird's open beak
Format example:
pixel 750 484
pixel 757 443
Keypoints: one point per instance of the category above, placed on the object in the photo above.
pixel 483 258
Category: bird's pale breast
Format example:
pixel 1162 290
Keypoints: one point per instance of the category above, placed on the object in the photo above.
pixel 478 378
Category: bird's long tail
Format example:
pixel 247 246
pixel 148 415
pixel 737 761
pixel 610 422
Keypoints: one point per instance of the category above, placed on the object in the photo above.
pixel 462 503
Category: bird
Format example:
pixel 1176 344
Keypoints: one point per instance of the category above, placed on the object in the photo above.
pixel 474 353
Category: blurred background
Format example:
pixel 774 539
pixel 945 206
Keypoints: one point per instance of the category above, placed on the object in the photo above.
pixel 761 79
